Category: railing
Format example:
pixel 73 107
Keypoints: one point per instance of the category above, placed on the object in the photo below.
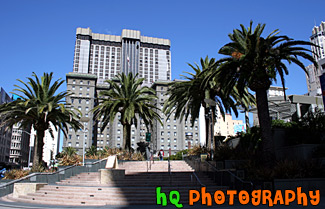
pixel 197 179
pixel 222 177
pixel 52 178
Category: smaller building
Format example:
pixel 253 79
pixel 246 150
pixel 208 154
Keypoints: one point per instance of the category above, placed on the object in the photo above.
pixel 226 126
pixel 19 149
pixel 290 108
pixel 5 135
pixel 51 144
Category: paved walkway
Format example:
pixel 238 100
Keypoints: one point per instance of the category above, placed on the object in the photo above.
pixel 15 205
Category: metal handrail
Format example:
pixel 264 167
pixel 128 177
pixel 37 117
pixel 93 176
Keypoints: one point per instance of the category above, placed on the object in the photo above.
pixel 198 180
pixel 236 177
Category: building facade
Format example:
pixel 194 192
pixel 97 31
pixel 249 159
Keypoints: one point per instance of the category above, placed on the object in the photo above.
pixel 99 57
pixel 108 55
pixel 226 126
pixel 51 144
pixel 314 73
pixel 19 149
pixel 5 135
pixel 85 90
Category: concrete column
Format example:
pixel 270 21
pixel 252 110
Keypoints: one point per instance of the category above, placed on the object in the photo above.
pixel 298 110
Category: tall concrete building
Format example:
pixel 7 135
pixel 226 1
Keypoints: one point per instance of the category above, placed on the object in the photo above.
pixel 5 136
pixel 99 57
pixel 107 55
pixel 314 73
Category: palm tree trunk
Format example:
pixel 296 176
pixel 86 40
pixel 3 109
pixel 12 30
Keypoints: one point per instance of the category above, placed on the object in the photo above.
pixel 38 149
pixel 207 128
pixel 127 136
pixel 265 125
pixel 212 127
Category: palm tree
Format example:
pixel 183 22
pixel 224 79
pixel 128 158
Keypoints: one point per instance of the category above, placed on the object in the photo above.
pixel 187 97
pixel 91 151
pixel 39 105
pixel 254 61
pixel 128 97
pixel 69 151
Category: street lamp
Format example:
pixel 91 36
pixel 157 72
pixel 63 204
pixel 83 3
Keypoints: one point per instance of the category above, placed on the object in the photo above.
pixel 30 147
pixel 189 137
pixel 84 120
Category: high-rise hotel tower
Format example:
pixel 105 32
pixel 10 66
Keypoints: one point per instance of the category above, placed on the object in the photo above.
pixel 99 57
pixel 107 55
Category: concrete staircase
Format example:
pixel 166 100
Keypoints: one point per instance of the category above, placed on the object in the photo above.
pixel 137 188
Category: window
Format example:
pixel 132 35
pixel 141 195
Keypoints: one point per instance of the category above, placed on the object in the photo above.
pixel 81 82
pixel 118 138
pixel 78 137
pixel 87 88
pixel 168 127
pixel 72 100
pixel 77 144
pixel 118 131
pixel 69 144
pixel 87 101
pixel 175 133
pixel 162 140
pixel 162 133
pixel 175 126
pixel 70 136
pixel 74 81
pixel 80 88
pixel 73 87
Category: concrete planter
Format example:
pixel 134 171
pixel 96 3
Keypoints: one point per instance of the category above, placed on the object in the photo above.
pixel 295 152
pixel 306 184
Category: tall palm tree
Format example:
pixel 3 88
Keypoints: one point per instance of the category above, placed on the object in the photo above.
pixel 187 97
pixel 39 105
pixel 128 97
pixel 254 61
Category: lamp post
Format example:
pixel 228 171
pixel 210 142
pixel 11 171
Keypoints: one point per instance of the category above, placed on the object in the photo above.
pixel 84 120
pixel 189 137
pixel 30 147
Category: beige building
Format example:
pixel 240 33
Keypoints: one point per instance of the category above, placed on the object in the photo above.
pixel 226 127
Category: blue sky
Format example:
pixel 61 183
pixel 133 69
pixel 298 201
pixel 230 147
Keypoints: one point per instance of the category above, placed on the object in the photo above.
pixel 39 36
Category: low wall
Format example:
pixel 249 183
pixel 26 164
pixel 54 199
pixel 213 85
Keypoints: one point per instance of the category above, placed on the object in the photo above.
pixel 51 178
pixel 306 184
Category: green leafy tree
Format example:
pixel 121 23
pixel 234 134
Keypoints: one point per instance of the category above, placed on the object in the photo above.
pixel 128 97
pixel 39 105
pixel 254 61
pixel 187 97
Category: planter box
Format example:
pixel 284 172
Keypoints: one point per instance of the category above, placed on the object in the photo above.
pixel 306 184
pixel 296 152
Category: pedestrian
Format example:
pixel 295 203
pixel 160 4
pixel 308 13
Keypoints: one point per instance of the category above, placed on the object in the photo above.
pixel 161 154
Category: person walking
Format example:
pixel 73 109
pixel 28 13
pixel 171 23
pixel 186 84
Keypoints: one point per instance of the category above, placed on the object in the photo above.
pixel 161 154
